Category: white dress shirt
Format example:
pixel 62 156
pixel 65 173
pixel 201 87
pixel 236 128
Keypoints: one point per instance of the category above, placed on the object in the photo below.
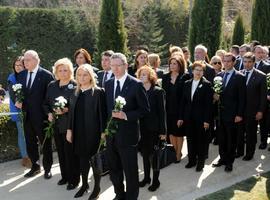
pixel 35 70
pixel 195 84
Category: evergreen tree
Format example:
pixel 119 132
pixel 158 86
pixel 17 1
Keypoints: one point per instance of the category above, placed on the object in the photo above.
pixel 111 32
pixel 260 29
pixel 238 32
pixel 205 26
pixel 150 33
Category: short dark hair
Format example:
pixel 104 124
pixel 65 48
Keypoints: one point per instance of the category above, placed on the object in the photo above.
pixel 230 55
pixel 107 53
pixel 235 48
pixel 246 46
pixel 85 53
pixel 249 55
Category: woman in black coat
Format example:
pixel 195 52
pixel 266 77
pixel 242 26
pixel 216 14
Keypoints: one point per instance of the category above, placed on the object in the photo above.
pixel 196 115
pixel 173 83
pixel 63 86
pixel 153 125
pixel 86 123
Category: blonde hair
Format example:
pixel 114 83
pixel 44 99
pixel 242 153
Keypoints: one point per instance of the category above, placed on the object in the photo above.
pixel 153 59
pixel 152 74
pixel 174 49
pixel 65 62
pixel 87 68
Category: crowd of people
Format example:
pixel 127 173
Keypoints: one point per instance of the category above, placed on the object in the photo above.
pixel 159 106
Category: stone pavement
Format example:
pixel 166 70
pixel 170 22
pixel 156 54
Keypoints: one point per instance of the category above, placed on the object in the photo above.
pixel 177 183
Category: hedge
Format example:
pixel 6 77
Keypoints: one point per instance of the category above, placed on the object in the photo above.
pixel 53 33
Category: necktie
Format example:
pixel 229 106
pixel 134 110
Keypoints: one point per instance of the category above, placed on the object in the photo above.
pixel 247 73
pixel 29 81
pixel 118 90
pixel 105 78
pixel 225 79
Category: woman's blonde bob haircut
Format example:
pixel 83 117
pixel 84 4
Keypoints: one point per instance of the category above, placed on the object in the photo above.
pixel 89 69
pixel 66 62
pixel 152 75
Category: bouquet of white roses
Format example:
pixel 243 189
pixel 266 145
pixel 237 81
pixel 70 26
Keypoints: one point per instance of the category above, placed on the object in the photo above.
pixel 59 105
pixel 17 88
pixel 112 125
pixel 218 85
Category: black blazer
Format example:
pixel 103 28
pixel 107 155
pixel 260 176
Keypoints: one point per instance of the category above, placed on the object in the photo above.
pixel 264 67
pixel 33 99
pixel 54 91
pixel 94 119
pixel 233 97
pixel 100 75
pixel 180 81
pixel 155 120
pixel 200 108
pixel 136 107
pixel 256 91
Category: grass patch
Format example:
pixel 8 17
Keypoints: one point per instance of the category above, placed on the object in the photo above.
pixel 254 188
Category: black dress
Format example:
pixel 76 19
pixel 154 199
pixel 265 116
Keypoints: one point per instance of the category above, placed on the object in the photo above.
pixel 174 94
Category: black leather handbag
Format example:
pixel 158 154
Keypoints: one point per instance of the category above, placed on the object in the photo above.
pixel 164 155
pixel 100 162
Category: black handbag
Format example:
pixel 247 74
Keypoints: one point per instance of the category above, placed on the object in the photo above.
pixel 164 155
pixel 100 162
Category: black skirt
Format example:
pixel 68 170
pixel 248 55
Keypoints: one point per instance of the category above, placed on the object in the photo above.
pixel 172 127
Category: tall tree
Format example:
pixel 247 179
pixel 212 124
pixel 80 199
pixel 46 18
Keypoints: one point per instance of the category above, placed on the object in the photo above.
pixel 150 32
pixel 205 26
pixel 238 31
pixel 260 29
pixel 111 31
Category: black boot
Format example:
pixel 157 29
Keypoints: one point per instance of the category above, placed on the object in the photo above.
pixel 85 186
pixel 155 184
pixel 95 194
pixel 146 169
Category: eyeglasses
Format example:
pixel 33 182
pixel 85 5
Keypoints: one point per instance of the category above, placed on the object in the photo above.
pixel 214 63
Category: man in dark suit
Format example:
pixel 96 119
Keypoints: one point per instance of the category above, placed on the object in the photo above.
pixel 35 80
pixel 263 66
pixel 239 65
pixel 232 107
pixel 256 90
pixel 122 146
pixel 106 73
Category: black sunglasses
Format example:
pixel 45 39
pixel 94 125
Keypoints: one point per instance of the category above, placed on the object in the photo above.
pixel 214 63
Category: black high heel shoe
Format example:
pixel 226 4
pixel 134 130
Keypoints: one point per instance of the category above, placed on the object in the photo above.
pixel 95 194
pixel 82 190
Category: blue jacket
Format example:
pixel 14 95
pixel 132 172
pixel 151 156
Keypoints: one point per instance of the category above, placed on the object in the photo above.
pixel 11 81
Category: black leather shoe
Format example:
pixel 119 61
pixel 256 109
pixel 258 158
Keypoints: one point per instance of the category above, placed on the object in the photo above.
pixel 263 146
pixel 117 197
pixel 238 155
pixel 190 165
pixel 199 168
pixel 47 175
pixel 144 182
pixel 228 168
pixel 247 158
pixel 154 186
pixel 82 190
pixel 218 164
pixel 95 194
pixel 61 182
pixel 71 186
pixel 34 171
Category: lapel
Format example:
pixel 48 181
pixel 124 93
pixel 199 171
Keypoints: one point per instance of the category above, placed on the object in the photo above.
pixel 230 80
pixel 74 101
pixel 110 93
pixel 200 85
pixel 252 77
pixel 125 86
pixel 36 80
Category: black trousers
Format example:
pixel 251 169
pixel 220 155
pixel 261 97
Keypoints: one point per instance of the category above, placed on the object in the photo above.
pixel 33 134
pixel 240 141
pixel 197 142
pixel 227 141
pixel 251 136
pixel 123 160
pixel 264 126
pixel 68 161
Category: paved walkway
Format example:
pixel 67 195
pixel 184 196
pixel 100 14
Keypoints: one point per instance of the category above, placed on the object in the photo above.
pixel 177 183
